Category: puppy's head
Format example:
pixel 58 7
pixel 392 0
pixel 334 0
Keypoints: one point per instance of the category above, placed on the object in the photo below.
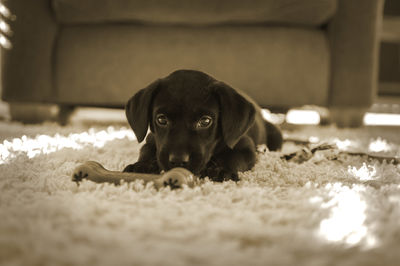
pixel 189 114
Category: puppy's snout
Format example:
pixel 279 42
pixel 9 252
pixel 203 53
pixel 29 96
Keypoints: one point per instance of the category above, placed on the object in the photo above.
pixel 178 159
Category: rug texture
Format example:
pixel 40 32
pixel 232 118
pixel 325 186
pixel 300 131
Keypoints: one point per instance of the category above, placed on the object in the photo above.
pixel 329 210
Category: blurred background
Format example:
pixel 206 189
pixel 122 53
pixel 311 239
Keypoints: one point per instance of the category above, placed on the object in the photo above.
pixel 337 61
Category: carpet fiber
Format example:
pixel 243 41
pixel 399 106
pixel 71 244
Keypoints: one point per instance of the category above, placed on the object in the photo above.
pixel 340 210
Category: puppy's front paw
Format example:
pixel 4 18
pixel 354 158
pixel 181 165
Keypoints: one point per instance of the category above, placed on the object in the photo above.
pixel 148 167
pixel 219 174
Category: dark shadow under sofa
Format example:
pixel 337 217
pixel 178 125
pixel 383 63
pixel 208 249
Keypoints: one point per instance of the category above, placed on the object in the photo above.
pixel 283 53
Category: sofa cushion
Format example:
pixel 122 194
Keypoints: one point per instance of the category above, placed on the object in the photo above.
pixel 107 64
pixel 305 12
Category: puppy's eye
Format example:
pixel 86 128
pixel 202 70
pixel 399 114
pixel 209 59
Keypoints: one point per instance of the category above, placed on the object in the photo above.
pixel 204 122
pixel 162 120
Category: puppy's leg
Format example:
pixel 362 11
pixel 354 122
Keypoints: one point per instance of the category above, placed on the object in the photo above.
pixel 226 164
pixel 274 137
pixel 147 162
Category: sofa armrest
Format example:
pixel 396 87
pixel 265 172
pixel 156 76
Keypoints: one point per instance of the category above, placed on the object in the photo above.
pixel 27 68
pixel 353 36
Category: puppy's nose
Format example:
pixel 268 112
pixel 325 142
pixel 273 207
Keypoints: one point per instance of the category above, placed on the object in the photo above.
pixel 178 159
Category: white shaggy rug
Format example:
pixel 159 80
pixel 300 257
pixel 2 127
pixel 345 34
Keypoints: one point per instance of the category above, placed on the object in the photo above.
pixel 326 211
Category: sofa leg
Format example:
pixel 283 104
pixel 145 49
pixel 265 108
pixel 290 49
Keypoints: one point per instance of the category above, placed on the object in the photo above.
pixel 347 116
pixel 31 113
pixel 64 114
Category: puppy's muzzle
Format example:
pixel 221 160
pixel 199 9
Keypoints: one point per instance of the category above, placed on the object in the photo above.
pixel 178 159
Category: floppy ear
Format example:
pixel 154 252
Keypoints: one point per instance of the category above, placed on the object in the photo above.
pixel 138 110
pixel 236 113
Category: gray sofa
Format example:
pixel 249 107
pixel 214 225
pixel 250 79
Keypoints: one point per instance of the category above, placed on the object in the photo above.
pixel 284 53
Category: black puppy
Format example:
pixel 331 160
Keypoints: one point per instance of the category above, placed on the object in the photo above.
pixel 198 123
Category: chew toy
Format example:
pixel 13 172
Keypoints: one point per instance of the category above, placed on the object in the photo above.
pixel 95 172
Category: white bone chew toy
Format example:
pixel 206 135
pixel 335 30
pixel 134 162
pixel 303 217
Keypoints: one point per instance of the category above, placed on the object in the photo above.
pixel 95 172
